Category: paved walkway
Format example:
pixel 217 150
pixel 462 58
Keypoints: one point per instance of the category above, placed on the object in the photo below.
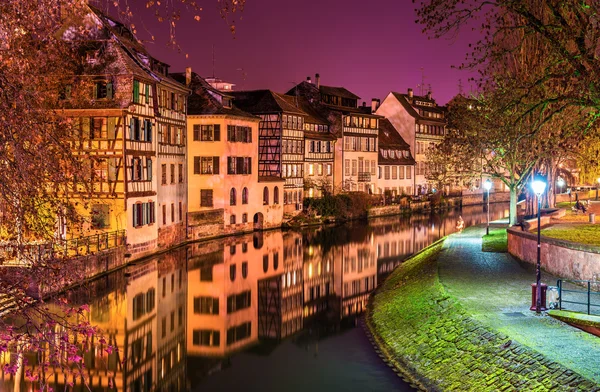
pixel 495 289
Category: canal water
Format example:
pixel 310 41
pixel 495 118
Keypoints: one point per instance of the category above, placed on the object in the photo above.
pixel 270 311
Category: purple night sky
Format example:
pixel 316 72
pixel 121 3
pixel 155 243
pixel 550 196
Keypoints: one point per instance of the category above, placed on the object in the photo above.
pixel 370 48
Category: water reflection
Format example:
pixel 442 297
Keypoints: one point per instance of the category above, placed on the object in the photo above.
pixel 179 318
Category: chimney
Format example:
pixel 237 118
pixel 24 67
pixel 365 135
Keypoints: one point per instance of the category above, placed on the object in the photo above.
pixel 364 104
pixel 410 93
pixel 429 95
pixel 308 79
pixel 188 76
pixel 375 102
pixel 318 80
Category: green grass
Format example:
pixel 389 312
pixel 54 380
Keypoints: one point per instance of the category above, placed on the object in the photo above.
pixel 496 241
pixel 583 234
pixel 565 204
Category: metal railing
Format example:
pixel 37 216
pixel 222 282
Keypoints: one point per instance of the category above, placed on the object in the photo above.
pixel 11 253
pixel 587 298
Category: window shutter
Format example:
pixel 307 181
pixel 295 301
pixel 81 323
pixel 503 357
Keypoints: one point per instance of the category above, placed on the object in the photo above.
pixel 249 166
pixel 149 169
pixel 196 165
pixel 109 90
pixel 239 165
pixel 196 132
pixel 147 93
pixel 149 137
pixel 217 132
pixel 136 91
pixel 249 134
pixel 131 127
pixel 215 165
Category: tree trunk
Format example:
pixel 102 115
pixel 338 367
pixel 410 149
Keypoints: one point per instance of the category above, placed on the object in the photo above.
pixel 512 220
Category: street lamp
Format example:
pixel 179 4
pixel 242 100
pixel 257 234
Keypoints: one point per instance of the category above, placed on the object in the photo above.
pixel 560 182
pixel 488 185
pixel 538 186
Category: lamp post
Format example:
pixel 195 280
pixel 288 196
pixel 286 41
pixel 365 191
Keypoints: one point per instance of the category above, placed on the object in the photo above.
pixel 538 186
pixel 488 185
pixel 560 182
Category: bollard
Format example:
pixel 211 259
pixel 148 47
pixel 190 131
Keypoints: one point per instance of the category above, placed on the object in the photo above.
pixel 592 218
pixel 533 296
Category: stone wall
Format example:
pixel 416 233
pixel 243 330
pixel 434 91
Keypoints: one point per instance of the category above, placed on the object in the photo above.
pixel 383 211
pixel 563 197
pixel 565 259
pixel 478 198
pixel 170 236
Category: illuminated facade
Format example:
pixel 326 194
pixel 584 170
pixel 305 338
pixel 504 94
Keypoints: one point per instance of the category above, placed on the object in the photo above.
pixel 395 164
pixel 421 122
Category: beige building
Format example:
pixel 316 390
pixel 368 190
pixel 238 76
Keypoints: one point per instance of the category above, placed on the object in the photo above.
pixel 395 164
pixel 421 122
pixel 132 130
pixel 225 190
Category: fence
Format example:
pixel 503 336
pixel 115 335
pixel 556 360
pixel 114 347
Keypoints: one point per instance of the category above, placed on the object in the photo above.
pixel 582 295
pixel 18 254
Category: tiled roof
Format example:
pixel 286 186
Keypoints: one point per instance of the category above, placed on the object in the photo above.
pixel 203 98
pixel 410 106
pixel 263 101
pixel 338 92
pixel 390 139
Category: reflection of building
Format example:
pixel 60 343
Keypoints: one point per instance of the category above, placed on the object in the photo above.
pixel 319 282
pixel 245 289
pixel 226 194
pixel 421 123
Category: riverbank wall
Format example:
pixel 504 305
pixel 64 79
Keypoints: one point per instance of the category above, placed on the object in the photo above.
pixel 426 335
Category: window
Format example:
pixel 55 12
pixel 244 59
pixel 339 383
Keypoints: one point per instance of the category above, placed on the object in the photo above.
pixel 206 274
pixel 136 91
pixel 394 172
pixel 244 218
pixel 103 90
pixel 172 173
pixel 235 334
pixel 143 214
pixel 237 302
pixel 180 173
pixel 206 198
pixel 207 133
pixel 244 247
pixel 100 216
pixel 401 172
pixel 206 305
pixel 408 172
pixel 276 195
pixel 206 165
pixel 245 269
pixel 163 169
pixel 239 134
pixel 354 167
pixel 172 212
pixel 232 197
pixel 275 261
pixel 232 272
pixel 239 165
pixel 245 196
pixel 164 214
pixel 232 220
pixel 387 172
pixel 265 196
pixel 265 263
pixel 139 306
pixel 205 337
pixel 150 299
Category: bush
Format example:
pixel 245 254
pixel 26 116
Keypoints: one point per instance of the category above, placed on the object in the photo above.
pixel 344 206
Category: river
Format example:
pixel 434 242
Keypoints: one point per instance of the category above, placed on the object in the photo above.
pixel 270 311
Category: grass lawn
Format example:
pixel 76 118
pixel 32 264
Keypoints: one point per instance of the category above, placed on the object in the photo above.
pixel 584 234
pixel 565 204
pixel 496 241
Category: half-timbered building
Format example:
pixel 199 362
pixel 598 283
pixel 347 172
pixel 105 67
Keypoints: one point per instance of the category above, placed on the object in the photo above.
pixel 421 122
pixel 226 191
pixel 132 127
pixel 280 142
pixel 355 127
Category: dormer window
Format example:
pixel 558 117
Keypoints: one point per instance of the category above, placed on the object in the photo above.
pixel 103 89
pixel 384 153
pixel 405 153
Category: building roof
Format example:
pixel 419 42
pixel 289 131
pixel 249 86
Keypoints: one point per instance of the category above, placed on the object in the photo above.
pixel 412 108
pixel 264 101
pixel 338 92
pixel 390 139
pixel 204 101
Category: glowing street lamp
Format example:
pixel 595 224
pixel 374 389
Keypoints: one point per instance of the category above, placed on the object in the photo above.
pixel 560 182
pixel 538 186
pixel 488 185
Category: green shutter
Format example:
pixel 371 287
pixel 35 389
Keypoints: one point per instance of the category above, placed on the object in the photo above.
pixel 109 90
pixel 136 91
pixel 147 93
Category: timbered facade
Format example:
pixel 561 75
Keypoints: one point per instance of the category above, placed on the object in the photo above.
pixel 356 130
pixel 225 187
pixel 421 122
pixel 280 141
pixel 133 99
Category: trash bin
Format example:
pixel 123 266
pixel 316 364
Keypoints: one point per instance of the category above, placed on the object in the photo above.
pixel 534 297
pixel 592 218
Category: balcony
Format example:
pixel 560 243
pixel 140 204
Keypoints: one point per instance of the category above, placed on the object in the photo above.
pixel 364 177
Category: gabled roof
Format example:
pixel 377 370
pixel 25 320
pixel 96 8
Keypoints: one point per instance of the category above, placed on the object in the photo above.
pixel 390 139
pixel 263 101
pixel 338 92
pixel 411 107
pixel 203 100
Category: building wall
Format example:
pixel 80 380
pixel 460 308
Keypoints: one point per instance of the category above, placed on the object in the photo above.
pixel 319 162
pixel 400 119
pixel 218 219
pixel 397 186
